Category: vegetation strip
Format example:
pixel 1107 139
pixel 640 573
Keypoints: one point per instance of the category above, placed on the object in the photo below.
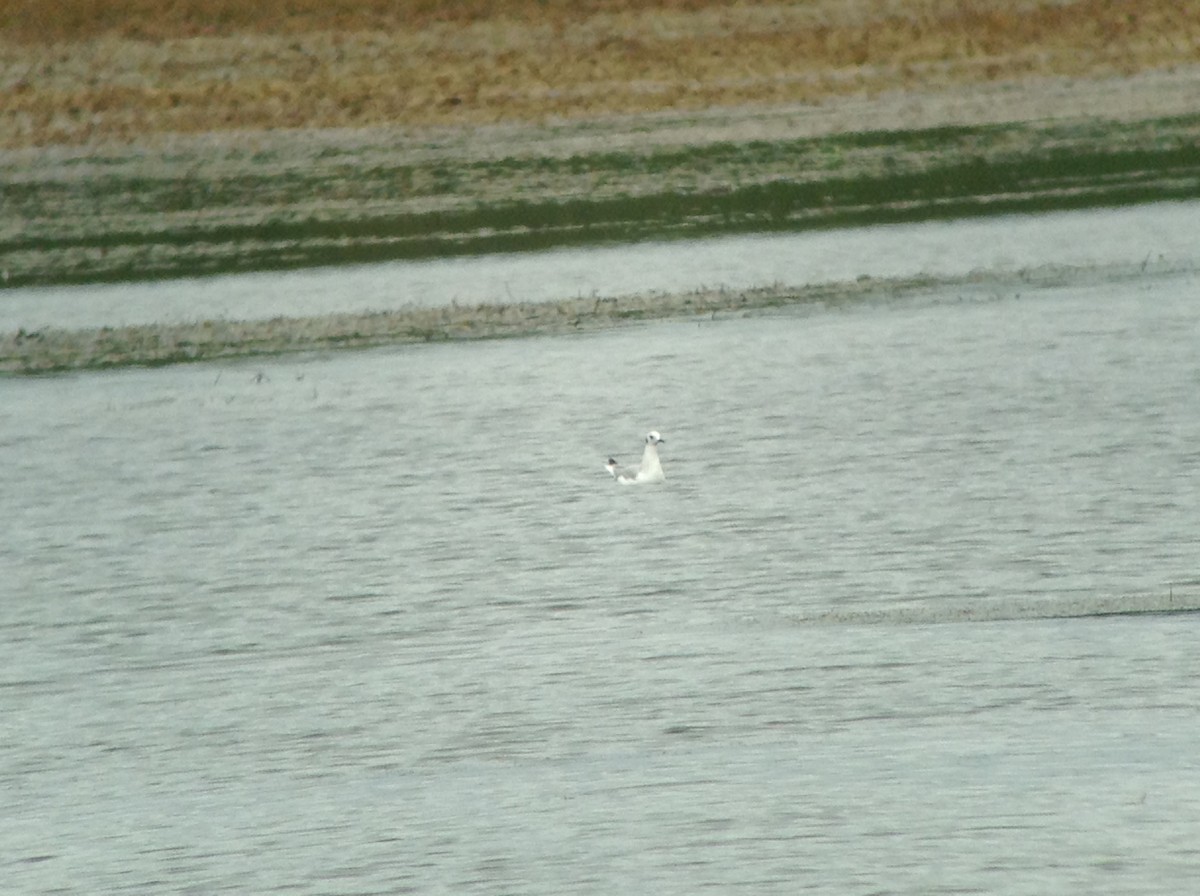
pixel 179 214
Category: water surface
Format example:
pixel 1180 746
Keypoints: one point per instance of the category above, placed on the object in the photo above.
pixel 380 622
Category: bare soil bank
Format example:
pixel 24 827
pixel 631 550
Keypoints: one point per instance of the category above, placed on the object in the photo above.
pixel 78 71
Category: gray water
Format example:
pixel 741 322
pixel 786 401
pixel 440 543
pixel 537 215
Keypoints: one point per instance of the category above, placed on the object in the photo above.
pixel 379 622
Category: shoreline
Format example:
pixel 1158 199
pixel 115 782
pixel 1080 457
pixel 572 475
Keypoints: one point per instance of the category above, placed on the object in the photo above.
pixel 56 351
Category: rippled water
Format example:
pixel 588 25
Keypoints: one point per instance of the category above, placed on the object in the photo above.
pixel 379 622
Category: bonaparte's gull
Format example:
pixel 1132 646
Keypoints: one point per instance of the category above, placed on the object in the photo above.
pixel 649 470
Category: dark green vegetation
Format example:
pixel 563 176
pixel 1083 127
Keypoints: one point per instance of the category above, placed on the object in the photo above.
pixel 205 208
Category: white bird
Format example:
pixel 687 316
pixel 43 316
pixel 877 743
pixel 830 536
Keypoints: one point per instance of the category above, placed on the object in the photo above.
pixel 648 471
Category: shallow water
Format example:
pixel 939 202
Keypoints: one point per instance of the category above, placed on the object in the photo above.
pixel 380 622
pixel 1158 232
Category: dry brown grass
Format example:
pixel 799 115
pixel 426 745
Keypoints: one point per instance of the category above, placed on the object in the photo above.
pixel 77 70
pixel 39 21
